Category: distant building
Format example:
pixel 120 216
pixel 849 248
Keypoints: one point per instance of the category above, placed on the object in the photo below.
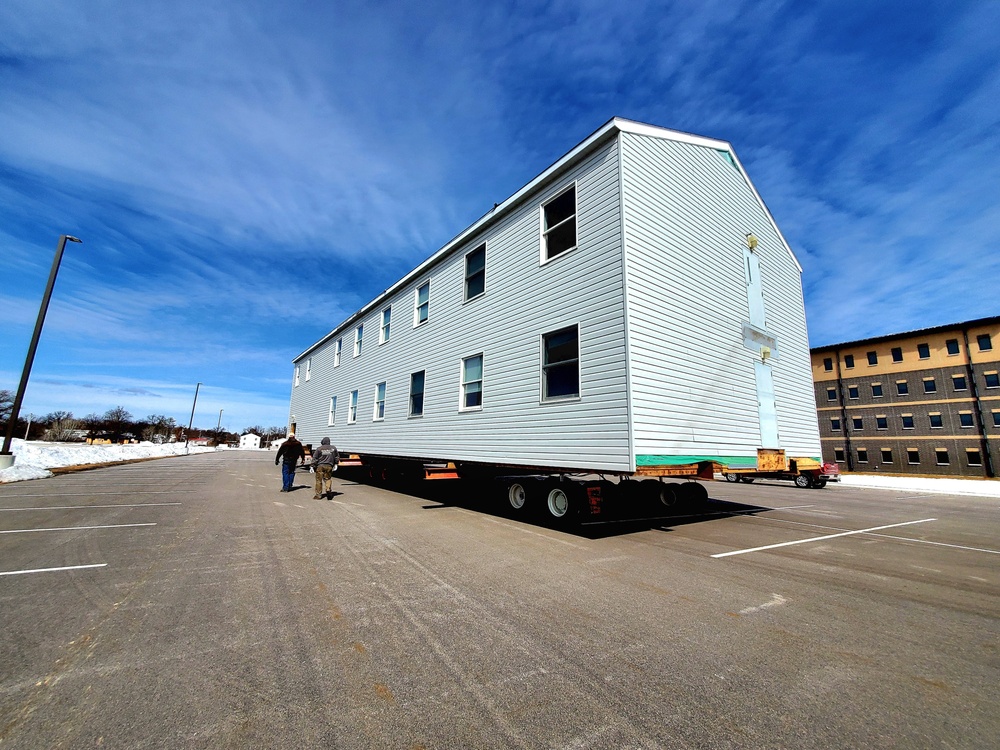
pixel 920 402
pixel 250 441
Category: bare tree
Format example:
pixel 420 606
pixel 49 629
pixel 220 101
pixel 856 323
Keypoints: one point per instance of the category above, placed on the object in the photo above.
pixel 62 426
pixel 6 405
pixel 117 421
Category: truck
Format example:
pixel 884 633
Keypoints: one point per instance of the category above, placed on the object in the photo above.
pixel 805 472
pixel 629 318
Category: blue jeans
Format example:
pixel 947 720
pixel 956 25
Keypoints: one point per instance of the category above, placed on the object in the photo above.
pixel 287 475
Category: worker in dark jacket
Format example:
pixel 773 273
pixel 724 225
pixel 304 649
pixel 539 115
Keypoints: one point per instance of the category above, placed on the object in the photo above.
pixel 290 453
pixel 324 463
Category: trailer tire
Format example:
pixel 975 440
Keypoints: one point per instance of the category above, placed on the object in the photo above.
pixel 517 496
pixel 732 477
pixel 561 501
pixel 692 494
pixel 803 480
pixel 659 496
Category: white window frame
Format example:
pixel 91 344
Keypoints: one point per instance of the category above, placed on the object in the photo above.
pixel 378 407
pixel 544 232
pixel 465 280
pixel 331 417
pixel 417 304
pixel 409 403
pixel 463 384
pixel 309 367
pixel 359 336
pixel 296 375
pixel 385 325
pixel 352 408
pixel 337 349
pixel 542 397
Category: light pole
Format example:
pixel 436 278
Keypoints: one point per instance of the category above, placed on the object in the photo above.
pixel 187 437
pixel 6 457
pixel 218 427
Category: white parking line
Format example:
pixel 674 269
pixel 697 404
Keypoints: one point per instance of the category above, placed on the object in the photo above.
pixel 51 570
pixel 821 538
pixel 79 507
pixel 91 494
pixel 78 528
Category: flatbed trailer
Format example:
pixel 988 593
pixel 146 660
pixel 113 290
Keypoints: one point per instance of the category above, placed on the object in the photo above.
pixel 773 464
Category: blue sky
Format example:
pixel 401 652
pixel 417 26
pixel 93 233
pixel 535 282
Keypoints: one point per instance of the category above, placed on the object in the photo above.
pixel 245 175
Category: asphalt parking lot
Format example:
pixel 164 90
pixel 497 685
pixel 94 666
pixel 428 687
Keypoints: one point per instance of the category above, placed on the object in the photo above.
pixel 187 603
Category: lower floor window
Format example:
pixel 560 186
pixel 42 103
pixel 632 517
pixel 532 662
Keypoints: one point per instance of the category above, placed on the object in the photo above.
pixel 887 455
pixel 472 382
pixel 838 455
pixel 862 455
pixel 378 413
pixel 913 455
pixel 561 363
pixel 331 418
pixel 941 454
pixel 352 408
pixel 974 457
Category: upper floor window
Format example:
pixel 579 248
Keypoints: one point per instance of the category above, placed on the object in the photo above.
pixel 872 358
pixel 930 385
pixel 984 341
pixel 421 303
pixel 359 334
pixel 417 394
pixel 475 272
pixel 834 424
pixel 309 367
pixel 559 224
pixel 857 423
pixel 378 413
pixel 472 383
pixel 996 417
pixel 383 335
pixel 907 421
pixel 881 422
pixel 828 364
pixel 935 419
pixel 561 363
pixel 352 408
pixel 849 360
pixel 831 394
pixel 852 391
pixel 923 351
pixel 296 374
pixel 897 354
pixel 337 349
pixel 902 387
pixel 952 346
pixel 965 419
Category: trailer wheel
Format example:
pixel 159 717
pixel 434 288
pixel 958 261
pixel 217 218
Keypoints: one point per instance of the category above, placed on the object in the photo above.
pixel 803 480
pixel 559 502
pixel 732 477
pixel 517 496
pixel 660 496
pixel 693 493
pixel 748 480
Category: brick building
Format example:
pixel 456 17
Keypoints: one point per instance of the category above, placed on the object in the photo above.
pixel 920 402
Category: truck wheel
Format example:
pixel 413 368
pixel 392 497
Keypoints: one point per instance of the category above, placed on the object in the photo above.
pixel 517 496
pixel 819 484
pixel 748 480
pixel 803 480
pixel 732 477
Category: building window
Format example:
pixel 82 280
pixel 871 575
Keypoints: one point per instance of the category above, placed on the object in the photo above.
pixel 559 224
pixel 876 390
pixel 296 374
pixel 958 383
pixel 849 361
pixel 924 351
pixel 996 417
pixel 992 380
pixel 973 457
pixel 561 364
pixel 417 394
pixel 862 455
pixel 897 354
pixel 935 417
pixel 383 335
pixel 828 364
pixel 352 408
pixel 337 349
pixel 857 423
pixel 475 273
pixel 831 394
pixel 941 454
pixel 907 421
pixel 965 419
pixel 881 422
pixel 421 303
pixel 872 358
pixel 913 455
pixel 838 455
pixel 378 413
pixel 902 387
pixel 835 424
pixel 472 382
pixel 930 385
pixel 309 367
pixel 984 341
pixel 886 455
pixel 852 391
pixel 331 417
pixel 952 346
pixel 359 333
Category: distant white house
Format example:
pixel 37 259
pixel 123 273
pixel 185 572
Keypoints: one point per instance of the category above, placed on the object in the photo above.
pixel 250 441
